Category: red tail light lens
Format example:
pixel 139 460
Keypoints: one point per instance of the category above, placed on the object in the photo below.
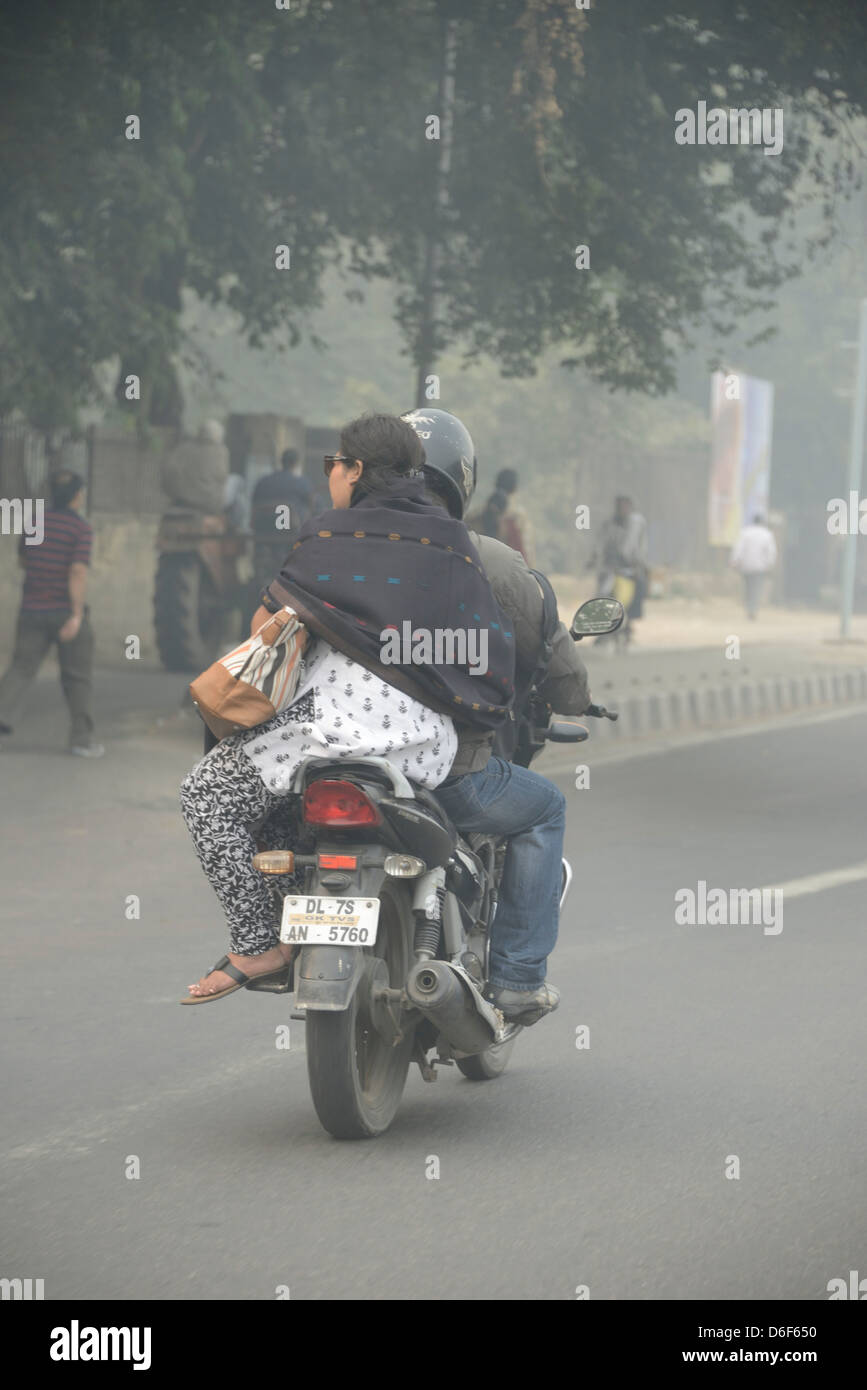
pixel 340 804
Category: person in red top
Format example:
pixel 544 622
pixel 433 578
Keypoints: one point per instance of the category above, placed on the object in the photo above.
pixel 53 610
pixel 516 529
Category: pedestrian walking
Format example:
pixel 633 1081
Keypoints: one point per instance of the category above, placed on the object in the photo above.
pixel 516 528
pixel 52 611
pixel 754 556
pixel 488 521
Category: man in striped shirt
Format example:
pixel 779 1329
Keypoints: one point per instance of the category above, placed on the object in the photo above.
pixel 53 610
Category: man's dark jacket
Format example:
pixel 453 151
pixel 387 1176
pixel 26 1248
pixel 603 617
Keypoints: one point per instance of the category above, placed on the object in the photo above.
pixel 285 489
pixel 566 687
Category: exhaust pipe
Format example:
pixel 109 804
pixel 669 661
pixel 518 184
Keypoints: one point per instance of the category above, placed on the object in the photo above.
pixel 453 1006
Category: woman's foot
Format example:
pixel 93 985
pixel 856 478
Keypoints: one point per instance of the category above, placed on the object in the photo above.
pixel 270 960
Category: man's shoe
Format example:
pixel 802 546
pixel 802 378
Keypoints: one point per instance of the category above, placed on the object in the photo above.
pixel 525 1006
pixel 87 750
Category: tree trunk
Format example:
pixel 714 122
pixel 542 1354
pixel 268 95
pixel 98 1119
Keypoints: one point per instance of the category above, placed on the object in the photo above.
pixel 427 342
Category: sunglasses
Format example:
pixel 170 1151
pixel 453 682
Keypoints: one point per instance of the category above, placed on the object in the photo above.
pixel 330 460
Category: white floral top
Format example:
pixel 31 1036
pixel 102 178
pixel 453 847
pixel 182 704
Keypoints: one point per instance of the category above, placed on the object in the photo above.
pixel 343 710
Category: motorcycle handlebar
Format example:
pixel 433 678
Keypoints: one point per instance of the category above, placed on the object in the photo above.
pixel 600 712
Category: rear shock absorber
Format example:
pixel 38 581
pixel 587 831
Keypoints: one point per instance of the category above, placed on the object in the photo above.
pixel 491 858
pixel 427 907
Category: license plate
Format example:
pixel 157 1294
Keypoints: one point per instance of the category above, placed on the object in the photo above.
pixel 330 921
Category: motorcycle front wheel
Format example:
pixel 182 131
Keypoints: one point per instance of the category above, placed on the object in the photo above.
pixel 357 1074
pixel 488 1065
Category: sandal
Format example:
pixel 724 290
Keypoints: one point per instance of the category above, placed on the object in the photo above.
pixel 243 980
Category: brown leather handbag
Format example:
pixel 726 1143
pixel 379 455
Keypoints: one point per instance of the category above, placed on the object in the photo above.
pixel 255 681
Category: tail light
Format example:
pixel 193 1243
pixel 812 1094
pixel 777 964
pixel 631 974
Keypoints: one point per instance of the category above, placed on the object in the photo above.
pixel 340 804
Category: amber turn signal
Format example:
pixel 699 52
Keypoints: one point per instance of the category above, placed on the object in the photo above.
pixel 274 861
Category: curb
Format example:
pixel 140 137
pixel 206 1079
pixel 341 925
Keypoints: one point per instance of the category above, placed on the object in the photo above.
pixel 708 706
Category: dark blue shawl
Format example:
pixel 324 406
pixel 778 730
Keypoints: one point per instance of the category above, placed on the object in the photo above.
pixel 392 558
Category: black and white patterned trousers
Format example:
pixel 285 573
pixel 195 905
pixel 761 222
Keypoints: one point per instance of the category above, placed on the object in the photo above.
pixel 227 808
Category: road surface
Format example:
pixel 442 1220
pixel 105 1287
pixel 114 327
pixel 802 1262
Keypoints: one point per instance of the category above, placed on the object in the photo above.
pixel 601 1167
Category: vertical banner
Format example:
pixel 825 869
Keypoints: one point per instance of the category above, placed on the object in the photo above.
pixel 742 413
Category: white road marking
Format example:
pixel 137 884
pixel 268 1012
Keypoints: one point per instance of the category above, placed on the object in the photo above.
pixel 817 883
pixel 100 1127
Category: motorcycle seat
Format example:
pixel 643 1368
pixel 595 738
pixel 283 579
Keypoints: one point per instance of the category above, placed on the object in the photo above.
pixel 429 800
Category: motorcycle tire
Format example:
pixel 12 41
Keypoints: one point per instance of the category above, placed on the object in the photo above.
pixel 490 1064
pixel 357 1076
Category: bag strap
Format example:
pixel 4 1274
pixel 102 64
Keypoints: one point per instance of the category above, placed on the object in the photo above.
pixel 274 597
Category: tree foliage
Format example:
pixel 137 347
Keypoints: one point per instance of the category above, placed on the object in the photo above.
pixel 306 127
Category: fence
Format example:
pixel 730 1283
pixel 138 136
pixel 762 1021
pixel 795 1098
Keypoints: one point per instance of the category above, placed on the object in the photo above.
pixel 23 460
pixel 122 474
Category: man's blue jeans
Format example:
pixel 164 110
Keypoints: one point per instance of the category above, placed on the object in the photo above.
pixel 509 800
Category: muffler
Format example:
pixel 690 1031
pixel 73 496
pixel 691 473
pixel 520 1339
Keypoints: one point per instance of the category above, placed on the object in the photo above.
pixel 443 993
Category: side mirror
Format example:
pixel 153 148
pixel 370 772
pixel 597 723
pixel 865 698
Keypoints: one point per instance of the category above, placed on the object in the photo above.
pixel 566 731
pixel 597 617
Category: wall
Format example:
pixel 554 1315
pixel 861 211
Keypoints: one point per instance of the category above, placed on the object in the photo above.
pixel 124 503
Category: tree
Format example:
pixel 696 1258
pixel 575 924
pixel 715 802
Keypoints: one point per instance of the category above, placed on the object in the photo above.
pixel 306 128
pixel 558 145
pixel 101 232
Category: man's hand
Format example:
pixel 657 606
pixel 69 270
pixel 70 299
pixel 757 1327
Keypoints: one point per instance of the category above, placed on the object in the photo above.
pixel 70 628
pixel 77 593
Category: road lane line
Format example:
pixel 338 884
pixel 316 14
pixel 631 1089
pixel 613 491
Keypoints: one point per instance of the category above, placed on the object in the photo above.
pixel 101 1126
pixel 817 883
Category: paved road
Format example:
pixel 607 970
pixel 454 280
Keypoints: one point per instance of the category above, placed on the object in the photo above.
pixel 602 1167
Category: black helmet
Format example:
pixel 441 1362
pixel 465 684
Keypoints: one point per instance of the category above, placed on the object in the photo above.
pixel 449 453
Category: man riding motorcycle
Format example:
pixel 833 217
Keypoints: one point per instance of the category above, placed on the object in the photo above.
pixel 484 791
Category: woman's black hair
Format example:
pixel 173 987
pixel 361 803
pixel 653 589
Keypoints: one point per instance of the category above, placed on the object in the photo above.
pixel 388 447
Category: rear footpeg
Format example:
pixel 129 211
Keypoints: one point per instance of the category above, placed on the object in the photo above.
pixel 277 984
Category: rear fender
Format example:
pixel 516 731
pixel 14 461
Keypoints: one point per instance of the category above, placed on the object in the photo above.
pixel 327 977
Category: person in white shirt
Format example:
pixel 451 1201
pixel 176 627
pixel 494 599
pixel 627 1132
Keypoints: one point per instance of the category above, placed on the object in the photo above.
pixel 754 556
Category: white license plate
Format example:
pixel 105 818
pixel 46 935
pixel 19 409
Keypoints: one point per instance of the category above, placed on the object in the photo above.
pixel 330 921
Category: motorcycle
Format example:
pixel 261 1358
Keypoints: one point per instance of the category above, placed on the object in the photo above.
pixel 392 922
pixel 628 584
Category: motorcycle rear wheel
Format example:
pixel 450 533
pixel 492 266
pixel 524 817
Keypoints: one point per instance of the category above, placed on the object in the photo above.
pixel 357 1076
pixel 490 1064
